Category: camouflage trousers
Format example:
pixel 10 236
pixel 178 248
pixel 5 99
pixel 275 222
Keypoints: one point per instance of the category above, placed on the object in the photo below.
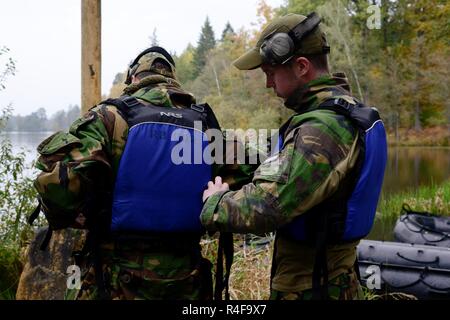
pixel 131 274
pixel 343 287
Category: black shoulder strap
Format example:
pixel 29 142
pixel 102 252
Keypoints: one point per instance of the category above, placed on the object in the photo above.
pixel 211 119
pixel 359 113
pixel 123 103
pixel 339 105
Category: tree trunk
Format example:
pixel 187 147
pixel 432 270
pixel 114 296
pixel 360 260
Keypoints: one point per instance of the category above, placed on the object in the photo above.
pixel 417 124
pixel 90 53
pixel 217 79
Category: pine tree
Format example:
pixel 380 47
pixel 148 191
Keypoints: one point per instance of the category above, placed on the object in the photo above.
pixel 154 39
pixel 227 31
pixel 205 44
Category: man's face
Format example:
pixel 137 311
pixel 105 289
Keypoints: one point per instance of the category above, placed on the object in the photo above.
pixel 282 79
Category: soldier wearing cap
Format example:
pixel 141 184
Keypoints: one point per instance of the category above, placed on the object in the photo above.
pixel 313 171
pixel 134 267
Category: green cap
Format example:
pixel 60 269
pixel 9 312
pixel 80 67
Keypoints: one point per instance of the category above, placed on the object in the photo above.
pixel 313 43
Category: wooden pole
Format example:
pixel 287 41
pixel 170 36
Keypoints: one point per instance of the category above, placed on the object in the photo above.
pixel 90 53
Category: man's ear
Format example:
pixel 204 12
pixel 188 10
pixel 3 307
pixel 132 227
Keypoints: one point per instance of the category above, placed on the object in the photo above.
pixel 301 66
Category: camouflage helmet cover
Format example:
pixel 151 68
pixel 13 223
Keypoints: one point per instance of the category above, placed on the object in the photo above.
pixel 146 61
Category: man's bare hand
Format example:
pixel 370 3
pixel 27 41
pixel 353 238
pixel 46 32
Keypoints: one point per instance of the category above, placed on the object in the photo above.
pixel 214 187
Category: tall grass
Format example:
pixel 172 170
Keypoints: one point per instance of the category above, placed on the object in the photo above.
pixel 250 272
pixel 434 199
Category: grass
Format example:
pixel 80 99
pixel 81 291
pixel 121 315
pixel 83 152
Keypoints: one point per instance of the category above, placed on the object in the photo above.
pixel 250 272
pixel 10 269
pixel 434 199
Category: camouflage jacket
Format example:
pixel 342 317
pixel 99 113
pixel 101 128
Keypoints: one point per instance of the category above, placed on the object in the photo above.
pixel 318 152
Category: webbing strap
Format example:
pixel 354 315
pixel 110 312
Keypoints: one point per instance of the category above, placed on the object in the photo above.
pixel 46 241
pixel 319 289
pixel 225 249
pixel 33 216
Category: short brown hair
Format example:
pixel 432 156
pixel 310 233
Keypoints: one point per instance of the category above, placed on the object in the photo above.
pixel 319 61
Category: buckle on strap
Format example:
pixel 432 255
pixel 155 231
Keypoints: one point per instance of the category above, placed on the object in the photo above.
pixel 131 102
pixel 198 107
pixel 343 104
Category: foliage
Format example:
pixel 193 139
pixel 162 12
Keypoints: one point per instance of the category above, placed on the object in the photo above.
pixel 433 136
pixel 9 68
pixel 16 202
pixel 402 67
pixel 185 65
pixel 206 42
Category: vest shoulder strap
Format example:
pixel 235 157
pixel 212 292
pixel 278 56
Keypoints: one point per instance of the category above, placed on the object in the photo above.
pixel 359 113
pixel 124 104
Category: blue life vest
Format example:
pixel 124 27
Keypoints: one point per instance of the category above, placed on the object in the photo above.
pixel 162 172
pixel 355 217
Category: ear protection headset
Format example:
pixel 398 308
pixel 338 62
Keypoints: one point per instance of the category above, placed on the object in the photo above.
pixel 279 48
pixel 135 64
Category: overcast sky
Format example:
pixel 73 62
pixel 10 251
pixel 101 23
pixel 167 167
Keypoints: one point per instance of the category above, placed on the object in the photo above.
pixel 44 37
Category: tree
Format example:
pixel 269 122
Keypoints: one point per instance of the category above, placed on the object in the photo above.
pixel 73 112
pixel 228 31
pixel 206 42
pixel 9 66
pixel 154 39
pixel 343 43
pixel 303 7
pixel 118 85
pixel 185 65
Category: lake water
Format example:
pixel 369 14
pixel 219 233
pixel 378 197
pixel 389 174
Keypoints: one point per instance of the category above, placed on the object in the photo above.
pixel 407 168
pixel 27 141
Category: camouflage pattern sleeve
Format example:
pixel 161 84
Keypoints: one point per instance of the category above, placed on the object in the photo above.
pixel 67 159
pixel 315 157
